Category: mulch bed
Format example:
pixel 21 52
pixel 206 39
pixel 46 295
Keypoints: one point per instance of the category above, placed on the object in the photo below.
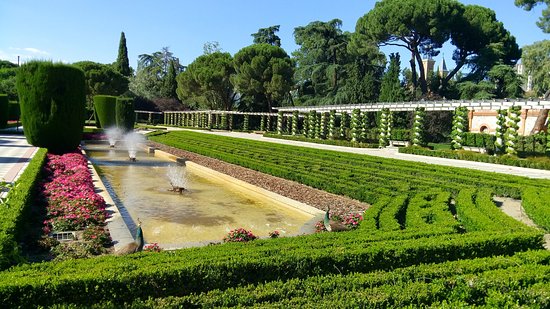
pixel 339 205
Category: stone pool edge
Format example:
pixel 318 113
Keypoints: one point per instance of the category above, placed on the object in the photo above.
pixel 243 185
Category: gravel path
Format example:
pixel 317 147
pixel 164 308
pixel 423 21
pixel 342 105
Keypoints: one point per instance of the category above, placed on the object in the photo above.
pixel 514 209
pixel 339 205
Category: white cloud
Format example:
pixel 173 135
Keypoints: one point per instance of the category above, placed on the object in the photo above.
pixel 31 50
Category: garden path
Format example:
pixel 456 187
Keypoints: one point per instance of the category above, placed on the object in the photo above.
pixel 394 154
pixel 514 209
pixel 15 154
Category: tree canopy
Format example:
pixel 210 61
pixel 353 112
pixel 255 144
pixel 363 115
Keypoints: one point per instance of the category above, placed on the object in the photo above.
pixel 544 20
pixel 263 75
pixel 206 83
pixel 391 89
pixel 423 26
pixel 536 60
pixel 267 36
pixel 153 70
pixel 101 79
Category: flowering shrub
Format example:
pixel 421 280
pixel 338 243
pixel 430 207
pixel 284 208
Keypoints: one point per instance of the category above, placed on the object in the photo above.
pixel 72 204
pixel 239 235
pixel 274 234
pixel 154 247
pixel 320 227
pixel 352 220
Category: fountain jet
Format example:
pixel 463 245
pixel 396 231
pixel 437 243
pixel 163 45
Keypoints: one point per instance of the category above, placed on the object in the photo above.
pixel 131 140
pixel 178 178
pixel 113 134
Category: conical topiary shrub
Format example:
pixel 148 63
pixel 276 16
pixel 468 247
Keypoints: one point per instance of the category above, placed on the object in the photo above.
pixel 105 108
pixel 125 115
pixel 53 100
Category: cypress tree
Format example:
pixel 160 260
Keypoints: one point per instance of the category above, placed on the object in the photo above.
pixel 391 89
pixel 122 64
pixel 169 86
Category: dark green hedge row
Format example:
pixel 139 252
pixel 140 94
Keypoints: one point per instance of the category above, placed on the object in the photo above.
pixel 14 111
pixel 468 282
pixel 391 217
pixel 362 177
pixel 4 110
pixel 220 267
pixel 430 210
pixel 105 110
pixel 14 210
pixel 125 115
pixel 536 202
pixel 53 100
pixel 336 142
pixel 532 144
pixel 543 163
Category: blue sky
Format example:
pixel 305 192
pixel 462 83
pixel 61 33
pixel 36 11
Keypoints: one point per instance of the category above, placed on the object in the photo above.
pixel 75 30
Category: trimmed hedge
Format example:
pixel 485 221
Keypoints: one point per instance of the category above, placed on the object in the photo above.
pixel 14 112
pixel 14 210
pixel 198 270
pixel 478 157
pixel 53 100
pixel 335 142
pixel 468 282
pixel 125 115
pixel 105 111
pixel 4 110
pixel 536 202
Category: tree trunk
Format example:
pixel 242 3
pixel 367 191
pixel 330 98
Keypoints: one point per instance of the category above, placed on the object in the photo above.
pixel 422 79
pixel 540 123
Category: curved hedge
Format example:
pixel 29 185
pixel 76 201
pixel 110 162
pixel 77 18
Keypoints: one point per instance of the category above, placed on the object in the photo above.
pixel 4 110
pixel 105 110
pixel 125 115
pixel 53 100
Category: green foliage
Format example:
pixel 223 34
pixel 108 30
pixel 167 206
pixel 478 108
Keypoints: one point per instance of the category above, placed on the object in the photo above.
pixel 391 89
pixel 122 64
pixel 15 209
pixel 207 81
pixel 536 60
pixel 544 20
pixel 385 128
pixel 125 115
pixel 295 121
pixel 469 90
pixel 8 74
pixel 460 126
pixel 267 36
pixel 4 110
pixel 334 67
pixel 52 98
pixel 169 84
pixel 14 111
pixel 512 125
pixel 246 123
pixel 355 125
pixel 418 131
pixel 102 79
pixel 105 108
pixel 481 42
pixel 479 157
pixel 152 74
pixel 506 82
pixel 264 74
pixel 535 202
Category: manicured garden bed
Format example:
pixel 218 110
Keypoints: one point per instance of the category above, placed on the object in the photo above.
pixel 413 248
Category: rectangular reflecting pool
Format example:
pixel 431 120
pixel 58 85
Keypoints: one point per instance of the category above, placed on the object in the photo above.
pixel 205 211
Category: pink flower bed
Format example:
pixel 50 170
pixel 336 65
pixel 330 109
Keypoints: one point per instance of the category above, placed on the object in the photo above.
pixel 68 190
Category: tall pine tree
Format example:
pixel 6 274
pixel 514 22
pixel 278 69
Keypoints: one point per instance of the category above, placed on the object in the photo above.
pixel 122 64
pixel 391 89
pixel 170 84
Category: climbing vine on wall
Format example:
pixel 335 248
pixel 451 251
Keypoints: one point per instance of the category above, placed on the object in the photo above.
pixel 500 130
pixel 459 127
pixel 385 128
pixel 343 124
pixel 312 121
pixel 323 125
pixel 295 119
pixel 355 125
pixel 512 124
pixel 419 127
pixel 280 123
pixel 332 125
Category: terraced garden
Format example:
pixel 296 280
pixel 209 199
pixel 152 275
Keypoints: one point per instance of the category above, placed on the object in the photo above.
pixel 432 237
